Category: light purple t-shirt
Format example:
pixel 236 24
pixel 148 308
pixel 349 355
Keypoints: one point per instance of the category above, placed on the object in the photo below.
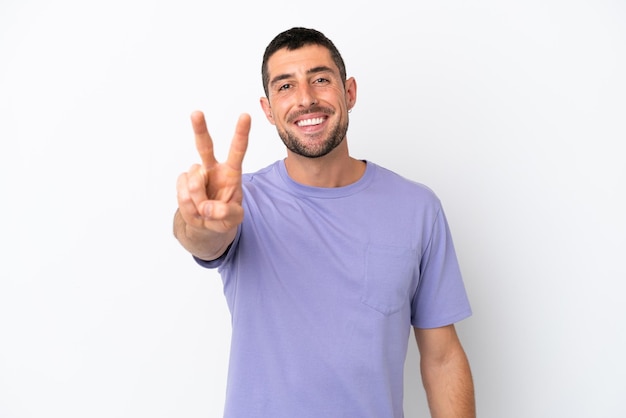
pixel 323 285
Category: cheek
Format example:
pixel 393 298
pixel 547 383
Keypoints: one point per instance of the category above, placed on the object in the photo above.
pixel 278 113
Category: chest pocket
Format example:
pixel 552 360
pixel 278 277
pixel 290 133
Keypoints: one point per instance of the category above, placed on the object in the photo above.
pixel 388 277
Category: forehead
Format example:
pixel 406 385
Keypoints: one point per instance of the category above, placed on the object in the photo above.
pixel 285 61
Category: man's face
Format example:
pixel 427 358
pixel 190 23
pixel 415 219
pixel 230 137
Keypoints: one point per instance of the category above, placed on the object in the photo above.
pixel 307 101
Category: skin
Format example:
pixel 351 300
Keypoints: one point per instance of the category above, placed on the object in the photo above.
pixel 446 373
pixel 305 85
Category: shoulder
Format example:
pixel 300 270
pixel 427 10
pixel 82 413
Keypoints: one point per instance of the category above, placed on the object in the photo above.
pixel 261 174
pixel 264 180
pixel 398 184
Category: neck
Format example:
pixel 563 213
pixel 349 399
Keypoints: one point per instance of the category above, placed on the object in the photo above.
pixel 336 169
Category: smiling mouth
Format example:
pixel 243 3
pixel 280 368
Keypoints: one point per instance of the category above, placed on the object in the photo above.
pixel 310 122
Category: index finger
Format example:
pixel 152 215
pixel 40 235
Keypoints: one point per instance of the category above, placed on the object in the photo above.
pixel 204 143
pixel 239 144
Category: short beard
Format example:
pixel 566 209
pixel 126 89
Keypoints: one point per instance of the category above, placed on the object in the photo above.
pixel 296 146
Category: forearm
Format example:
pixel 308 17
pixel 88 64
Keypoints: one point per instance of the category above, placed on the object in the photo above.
pixel 449 386
pixel 204 244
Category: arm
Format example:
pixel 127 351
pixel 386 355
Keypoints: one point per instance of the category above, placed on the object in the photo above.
pixel 446 373
pixel 210 194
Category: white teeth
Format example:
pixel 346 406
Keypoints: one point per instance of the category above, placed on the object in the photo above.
pixel 310 122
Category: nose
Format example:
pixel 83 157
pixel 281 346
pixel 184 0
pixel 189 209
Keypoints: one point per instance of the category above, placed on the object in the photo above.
pixel 307 96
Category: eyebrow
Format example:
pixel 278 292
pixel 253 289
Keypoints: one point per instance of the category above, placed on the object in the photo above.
pixel 314 70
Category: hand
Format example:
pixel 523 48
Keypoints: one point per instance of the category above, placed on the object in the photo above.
pixel 210 194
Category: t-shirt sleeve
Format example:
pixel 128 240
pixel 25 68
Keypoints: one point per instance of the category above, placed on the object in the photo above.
pixel 440 298
pixel 224 258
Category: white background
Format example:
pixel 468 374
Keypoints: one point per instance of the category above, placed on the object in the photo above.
pixel 514 112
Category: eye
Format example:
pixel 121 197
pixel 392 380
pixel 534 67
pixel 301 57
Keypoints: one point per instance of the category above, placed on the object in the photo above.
pixel 321 80
pixel 284 87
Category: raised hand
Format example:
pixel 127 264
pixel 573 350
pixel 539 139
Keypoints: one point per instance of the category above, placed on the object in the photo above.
pixel 210 194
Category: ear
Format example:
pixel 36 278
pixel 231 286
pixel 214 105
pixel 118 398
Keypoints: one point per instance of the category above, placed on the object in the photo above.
pixel 350 92
pixel 267 109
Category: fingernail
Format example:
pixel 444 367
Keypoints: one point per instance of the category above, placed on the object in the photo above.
pixel 208 208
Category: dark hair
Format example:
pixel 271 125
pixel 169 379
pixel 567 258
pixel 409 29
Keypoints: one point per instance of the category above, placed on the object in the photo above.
pixel 296 38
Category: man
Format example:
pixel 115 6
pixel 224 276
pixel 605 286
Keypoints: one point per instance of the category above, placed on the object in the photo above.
pixel 326 261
